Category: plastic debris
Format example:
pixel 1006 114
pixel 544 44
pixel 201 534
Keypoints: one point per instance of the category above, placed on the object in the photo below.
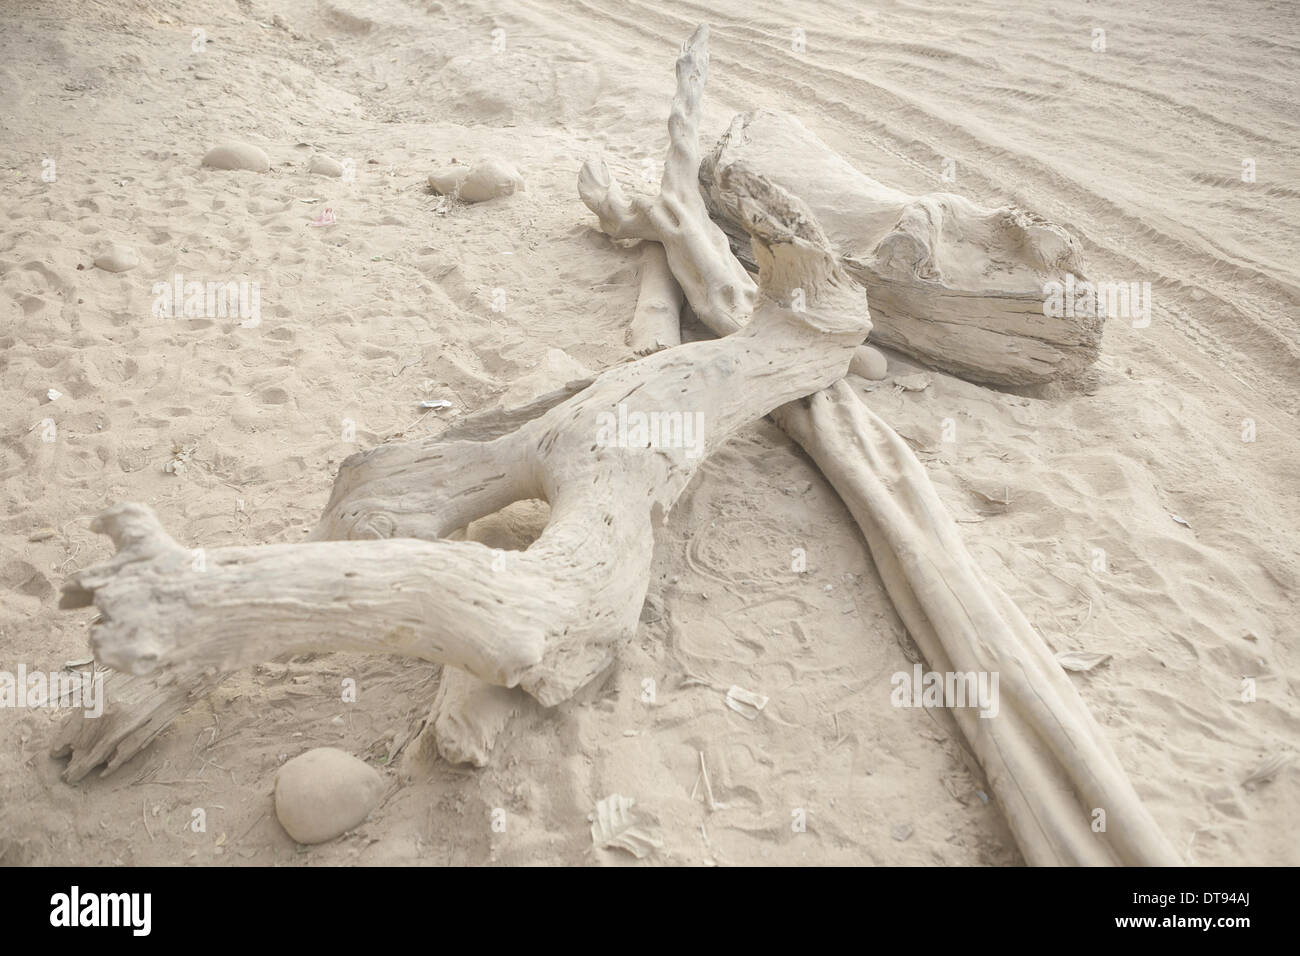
pixel 708 787
pixel 1081 660
pixel 745 702
pixel 614 825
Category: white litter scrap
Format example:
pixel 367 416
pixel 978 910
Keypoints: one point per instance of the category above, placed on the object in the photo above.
pixel 436 403
pixel 745 702
pixel 614 825
pixel 181 457
pixel 1081 660
pixel 708 787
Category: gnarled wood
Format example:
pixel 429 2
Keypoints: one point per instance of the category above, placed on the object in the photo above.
pixel 378 575
pixel 656 322
pixel 1046 760
pixel 713 282
pixel 956 285
pixel 716 285
pixel 547 619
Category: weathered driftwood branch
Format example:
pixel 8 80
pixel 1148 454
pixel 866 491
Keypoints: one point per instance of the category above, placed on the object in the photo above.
pixel 697 251
pixel 656 323
pixel 1046 760
pixel 954 284
pixel 551 618
pixel 610 461
pixel 716 285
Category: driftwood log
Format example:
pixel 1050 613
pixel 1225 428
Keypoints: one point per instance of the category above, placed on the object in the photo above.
pixel 1046 760
pixel 956 285
pixel 713 281
pixel 378 575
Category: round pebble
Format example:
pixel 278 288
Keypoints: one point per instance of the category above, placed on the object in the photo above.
pixel 324 793
pixel 487 179
pixel 324 166
pixel 237 156
pixel 870 363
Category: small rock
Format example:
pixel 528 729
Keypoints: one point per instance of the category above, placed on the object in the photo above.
pixel 869 363
pixel 237 156
pixel 324 166
pixel 323 793
pixel 489 179
pixel 486 179
pixel 119 258
pixel 447 181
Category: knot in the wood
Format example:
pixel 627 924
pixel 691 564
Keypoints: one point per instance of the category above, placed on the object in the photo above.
pixel 136 531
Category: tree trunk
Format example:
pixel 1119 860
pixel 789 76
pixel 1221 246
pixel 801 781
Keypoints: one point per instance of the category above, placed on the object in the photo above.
pixel 956 285
pixel 611 461
pixel 1045 758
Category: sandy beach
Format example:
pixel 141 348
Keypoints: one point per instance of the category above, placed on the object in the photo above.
pixel 1150 513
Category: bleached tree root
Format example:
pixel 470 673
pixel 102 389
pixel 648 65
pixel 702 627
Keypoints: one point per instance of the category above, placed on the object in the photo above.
pixel 1046 760
pixel 956 285
pixel 716 285
pixel 656 323
pixel 467 716
pixel 137 709
pixel 611 461
pixel 697 252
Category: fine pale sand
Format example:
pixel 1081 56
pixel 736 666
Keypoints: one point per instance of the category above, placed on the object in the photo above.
pixel 1128 518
